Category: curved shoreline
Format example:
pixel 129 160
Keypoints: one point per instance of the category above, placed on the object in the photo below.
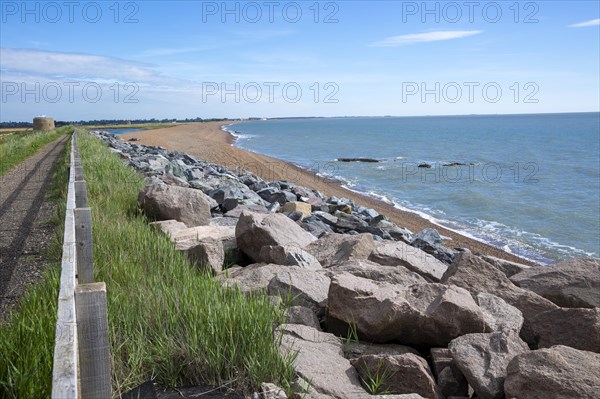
pixel 209 141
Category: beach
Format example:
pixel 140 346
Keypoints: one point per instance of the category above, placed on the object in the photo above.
pixel 208 141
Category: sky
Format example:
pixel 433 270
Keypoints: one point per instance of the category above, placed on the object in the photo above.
pixel 212 59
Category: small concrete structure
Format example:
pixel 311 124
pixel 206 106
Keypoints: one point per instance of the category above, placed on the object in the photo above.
pixel 42 123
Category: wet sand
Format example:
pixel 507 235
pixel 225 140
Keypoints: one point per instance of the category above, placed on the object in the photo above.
pixel 207 141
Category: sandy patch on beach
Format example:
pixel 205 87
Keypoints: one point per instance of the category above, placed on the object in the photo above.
pixel 207 141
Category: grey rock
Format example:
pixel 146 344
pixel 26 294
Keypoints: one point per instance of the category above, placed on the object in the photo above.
pixel 573 283
pixel 559 372
pixel 483 359
pixel 272 391
pixel 430 241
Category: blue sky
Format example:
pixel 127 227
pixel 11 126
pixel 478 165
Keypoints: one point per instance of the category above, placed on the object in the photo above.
pixel 179 59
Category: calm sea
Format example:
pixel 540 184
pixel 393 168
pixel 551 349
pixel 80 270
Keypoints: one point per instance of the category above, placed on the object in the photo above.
pixel 529 184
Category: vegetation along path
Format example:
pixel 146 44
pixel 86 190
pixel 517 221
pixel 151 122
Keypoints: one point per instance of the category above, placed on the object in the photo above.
pixel 25 230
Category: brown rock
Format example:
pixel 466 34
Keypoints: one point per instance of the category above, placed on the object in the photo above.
pixel 401 254
pixel 559 372
pixel 400 374
pixel 573 283
pixel 578 328
pixel 187 205
pixel 373 271
pixel 421 314
pixel 476 275
pixel 334 248
pixel 254 231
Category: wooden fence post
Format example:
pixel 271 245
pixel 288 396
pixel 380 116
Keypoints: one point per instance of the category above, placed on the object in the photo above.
pixel 94 346
pixel 83 238
pixel 80 194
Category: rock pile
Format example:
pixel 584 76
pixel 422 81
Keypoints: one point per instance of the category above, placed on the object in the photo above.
pixel 375 310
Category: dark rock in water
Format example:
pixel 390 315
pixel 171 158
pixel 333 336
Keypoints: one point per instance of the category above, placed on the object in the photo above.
pixel 430 241
pixel 460 164
pixel 371 160
pixel 424 165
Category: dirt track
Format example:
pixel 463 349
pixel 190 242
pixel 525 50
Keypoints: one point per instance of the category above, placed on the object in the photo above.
pixel 25 231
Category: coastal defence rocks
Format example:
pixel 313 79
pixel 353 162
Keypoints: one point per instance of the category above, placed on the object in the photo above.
pixel 432 321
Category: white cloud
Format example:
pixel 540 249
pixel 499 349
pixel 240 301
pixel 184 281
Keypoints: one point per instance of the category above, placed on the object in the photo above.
pixel 585 24
pixel 79 66
pixel 393 41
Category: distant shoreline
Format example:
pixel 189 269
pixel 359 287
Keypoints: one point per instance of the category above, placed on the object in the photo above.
pixel 209 141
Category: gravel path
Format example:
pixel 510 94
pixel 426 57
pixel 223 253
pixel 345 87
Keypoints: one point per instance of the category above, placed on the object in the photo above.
pixel 25 231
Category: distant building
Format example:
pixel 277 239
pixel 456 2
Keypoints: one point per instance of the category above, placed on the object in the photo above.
pixel 43 123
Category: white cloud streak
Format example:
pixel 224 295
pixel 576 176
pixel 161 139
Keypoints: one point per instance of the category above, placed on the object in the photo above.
pixel 585 24
pixel 394 41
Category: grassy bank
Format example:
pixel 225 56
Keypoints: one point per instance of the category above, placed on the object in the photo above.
pixel 17 146
pixel 168 321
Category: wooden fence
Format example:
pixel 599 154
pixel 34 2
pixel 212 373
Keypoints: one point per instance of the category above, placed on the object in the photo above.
pixel 81 367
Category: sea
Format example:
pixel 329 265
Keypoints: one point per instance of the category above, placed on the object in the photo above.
pixel 529 184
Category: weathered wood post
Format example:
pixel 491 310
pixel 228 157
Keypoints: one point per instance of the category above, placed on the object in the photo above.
pixel 84 243
pixel 94 345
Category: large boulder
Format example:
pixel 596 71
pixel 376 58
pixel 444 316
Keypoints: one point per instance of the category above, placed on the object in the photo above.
pixel 255 277
pixel 399 374
pixel 578 328
pixel 559 372
pixel 450 379
pixel 353 349
pixel 302 287
pixel 289 255
pixel 320 361
pixel 505 266
pixel 420 314
pixel 476 275
pixel 254 231
pixel 225 234
pixel 415 259
pixel 302 315
pixel 483 359
pixel 208 253
pixel 187 205
pixel 573 283
pixel 498 314
pixel 333 249
pixel 373 271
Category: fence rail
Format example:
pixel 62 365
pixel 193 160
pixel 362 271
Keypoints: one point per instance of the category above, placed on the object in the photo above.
pixel 81 367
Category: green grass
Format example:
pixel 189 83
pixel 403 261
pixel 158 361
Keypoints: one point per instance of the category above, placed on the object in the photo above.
pixel 168 320
pixel 18 146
